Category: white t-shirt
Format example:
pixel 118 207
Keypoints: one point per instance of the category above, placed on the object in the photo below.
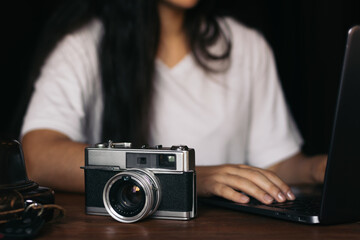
pixel 235 116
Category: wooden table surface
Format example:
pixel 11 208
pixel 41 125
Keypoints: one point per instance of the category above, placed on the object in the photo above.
pixel 211 223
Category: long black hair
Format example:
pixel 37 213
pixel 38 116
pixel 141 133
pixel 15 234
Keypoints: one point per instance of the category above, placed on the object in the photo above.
pixel 127 53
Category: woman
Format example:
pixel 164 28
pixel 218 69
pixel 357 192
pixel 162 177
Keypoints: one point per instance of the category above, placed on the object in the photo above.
pixel 166 72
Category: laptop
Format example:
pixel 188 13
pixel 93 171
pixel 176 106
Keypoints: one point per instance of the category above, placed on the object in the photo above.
pixel 338 200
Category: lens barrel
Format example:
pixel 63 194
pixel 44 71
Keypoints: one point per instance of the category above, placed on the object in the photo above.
pixel 132 195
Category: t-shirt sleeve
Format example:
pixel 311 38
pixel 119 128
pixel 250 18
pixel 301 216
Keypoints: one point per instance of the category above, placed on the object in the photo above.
pixel 59 100
pixel 273 135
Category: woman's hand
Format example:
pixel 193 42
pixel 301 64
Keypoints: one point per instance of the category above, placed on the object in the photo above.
pixel 235 182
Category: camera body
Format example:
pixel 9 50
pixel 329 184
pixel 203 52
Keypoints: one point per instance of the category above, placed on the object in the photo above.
pixel 132 183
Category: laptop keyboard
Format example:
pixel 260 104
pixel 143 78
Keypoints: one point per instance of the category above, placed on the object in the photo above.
pixel 305 205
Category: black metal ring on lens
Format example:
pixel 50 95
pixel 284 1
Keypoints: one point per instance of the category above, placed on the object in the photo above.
pixel 132 195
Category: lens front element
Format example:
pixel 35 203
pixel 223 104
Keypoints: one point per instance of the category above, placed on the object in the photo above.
pixel 132 195
pixel 127 197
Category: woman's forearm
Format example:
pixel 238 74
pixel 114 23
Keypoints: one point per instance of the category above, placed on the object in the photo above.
pixel 301 169
pixel 53 160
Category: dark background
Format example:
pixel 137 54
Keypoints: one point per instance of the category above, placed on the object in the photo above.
pixel 308 39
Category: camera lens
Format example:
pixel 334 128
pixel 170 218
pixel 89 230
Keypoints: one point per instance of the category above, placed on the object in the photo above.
pixel 127 197
pixel 132 195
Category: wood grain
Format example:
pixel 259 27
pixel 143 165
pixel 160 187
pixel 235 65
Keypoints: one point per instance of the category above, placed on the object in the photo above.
pixel 211 223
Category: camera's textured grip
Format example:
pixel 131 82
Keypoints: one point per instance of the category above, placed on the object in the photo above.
pixel 178 192
pixel 95 181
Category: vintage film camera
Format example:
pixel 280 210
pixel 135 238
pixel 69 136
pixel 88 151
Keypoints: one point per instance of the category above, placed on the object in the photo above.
pixel 130 184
